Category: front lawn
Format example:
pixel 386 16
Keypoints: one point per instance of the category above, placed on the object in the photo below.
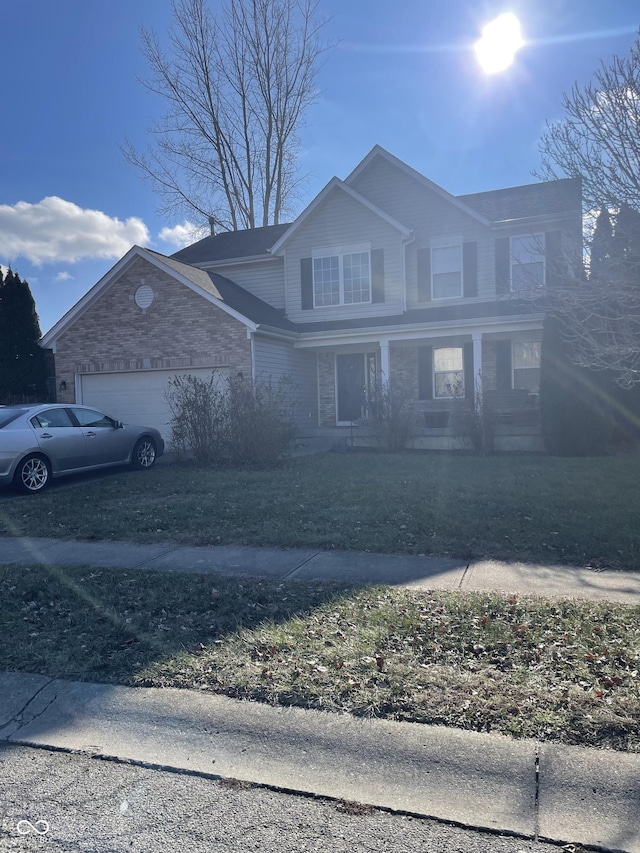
pixel 530 508
pixel 563 670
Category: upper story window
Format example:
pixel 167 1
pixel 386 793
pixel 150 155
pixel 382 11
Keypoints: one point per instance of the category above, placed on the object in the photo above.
pixel 446 267
pixel 448 372
pixel 527 262
pixel 341 275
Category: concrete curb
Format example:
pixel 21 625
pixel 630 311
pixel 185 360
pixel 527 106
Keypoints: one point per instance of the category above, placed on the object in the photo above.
pixel 534 790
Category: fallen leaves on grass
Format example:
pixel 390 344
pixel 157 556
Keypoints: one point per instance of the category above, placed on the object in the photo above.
pixel 561 670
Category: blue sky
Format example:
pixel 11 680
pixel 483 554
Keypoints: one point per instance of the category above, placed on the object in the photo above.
pixel 403 75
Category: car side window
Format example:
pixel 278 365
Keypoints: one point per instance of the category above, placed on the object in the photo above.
pixel 52 418
pixel 92 418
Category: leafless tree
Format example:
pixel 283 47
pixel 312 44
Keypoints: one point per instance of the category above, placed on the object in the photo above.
pixel 238 84
pixel 598 140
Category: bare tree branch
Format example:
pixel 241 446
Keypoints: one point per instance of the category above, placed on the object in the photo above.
pixel 237 86
pixel 598 140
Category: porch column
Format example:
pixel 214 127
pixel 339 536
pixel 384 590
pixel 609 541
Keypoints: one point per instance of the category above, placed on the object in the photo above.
pixel 476 337
pixel 384 361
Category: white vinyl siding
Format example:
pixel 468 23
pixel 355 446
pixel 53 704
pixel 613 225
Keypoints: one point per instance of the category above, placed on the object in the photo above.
pixel 343 221
pixel 264 279
pixel 428 215
pixel 275 361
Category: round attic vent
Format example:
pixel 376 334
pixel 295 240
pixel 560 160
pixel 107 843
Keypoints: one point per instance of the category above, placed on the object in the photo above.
pixel 144 296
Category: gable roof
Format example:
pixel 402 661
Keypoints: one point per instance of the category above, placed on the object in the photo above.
pixel 336 183
pixel 220 291
pixel 236 297
pixel 379 152
pixel 232 245
pixel 530 200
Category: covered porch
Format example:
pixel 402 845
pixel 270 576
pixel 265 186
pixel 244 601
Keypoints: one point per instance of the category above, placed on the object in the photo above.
pixel 441 377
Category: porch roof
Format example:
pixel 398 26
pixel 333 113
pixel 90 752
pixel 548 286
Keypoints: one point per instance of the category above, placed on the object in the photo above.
pixel 432 314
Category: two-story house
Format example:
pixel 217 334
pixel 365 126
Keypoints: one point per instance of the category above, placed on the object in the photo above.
pixel 385 278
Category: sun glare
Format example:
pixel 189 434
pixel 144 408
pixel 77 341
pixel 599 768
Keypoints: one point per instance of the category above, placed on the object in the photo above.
pixel 501 40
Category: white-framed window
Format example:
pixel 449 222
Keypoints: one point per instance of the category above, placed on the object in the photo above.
pixel 527 262
pixel 448 372
pixel 341 275
pixel 526 365
pixel 446 267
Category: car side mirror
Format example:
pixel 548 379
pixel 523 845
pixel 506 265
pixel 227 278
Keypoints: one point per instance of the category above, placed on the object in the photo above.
pixel 118 425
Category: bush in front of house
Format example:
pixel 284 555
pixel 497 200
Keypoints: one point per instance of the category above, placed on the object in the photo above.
pixel 574 406
pixel 236 423
pixel 392 420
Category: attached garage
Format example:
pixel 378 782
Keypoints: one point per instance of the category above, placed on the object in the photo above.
pixel 138 397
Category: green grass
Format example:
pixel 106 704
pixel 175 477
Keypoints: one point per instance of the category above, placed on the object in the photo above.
pixel 530 508
pixel 563 670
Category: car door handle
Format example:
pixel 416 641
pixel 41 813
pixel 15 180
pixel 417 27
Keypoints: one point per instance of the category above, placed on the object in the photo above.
pixel 45 435
pixel 90 434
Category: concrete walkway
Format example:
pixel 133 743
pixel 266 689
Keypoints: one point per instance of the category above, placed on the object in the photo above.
pixel 352 566
pixel 532 789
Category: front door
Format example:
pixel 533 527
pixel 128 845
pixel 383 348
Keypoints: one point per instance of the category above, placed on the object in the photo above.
pixel 351 386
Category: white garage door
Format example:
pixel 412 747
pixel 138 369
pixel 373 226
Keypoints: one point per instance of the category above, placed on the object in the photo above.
pixel 138 397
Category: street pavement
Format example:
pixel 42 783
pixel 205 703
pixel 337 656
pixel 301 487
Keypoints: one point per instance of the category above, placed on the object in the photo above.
pixel 534 790
pixel 85 806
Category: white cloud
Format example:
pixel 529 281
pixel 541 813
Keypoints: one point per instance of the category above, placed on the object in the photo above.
pixel 63 276
pixel 184 234
pixel 3 270
pixel 55 230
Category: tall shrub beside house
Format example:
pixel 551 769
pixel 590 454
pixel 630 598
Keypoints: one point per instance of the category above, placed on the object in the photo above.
pixel 574 405
pixel 242 424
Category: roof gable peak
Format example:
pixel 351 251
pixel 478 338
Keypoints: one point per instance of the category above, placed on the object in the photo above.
pixel 378 152
pixel 337 183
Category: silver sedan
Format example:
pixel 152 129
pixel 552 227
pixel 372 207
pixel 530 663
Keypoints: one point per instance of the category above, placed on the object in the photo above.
pixel 45 441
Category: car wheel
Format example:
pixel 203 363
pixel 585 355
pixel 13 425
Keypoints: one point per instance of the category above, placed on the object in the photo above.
pixel 32 474
pixel 144 454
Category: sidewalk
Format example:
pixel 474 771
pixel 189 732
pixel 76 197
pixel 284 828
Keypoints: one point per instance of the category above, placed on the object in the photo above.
pixel 535 790
pixel 532 789
pixel 351 566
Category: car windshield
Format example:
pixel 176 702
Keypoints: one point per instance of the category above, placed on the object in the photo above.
pixel 10 413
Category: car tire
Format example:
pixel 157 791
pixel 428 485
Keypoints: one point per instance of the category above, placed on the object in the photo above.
pixel 144 454
pixel 32 475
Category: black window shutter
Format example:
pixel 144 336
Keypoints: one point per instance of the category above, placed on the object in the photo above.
pixel 503 265
pixel 425 373
pixel 470 269
pixel 306 283
pixel 553 252
pixel 424 275
pixel 377 275
pixel 503 365
pixel 469 378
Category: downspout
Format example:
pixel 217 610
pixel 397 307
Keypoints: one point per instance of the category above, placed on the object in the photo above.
pixel 251 338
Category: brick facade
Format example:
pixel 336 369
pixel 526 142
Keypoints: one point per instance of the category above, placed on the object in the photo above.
pixel 179 329
pixel 403 365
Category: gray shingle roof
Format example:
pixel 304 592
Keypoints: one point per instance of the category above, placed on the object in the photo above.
pixel 250 306
pixel 547 197
pixel 232 244
pixel 236 297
